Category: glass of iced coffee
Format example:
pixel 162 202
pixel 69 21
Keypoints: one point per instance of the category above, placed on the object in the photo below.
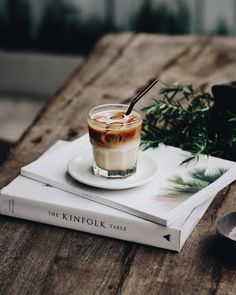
pixel 115 140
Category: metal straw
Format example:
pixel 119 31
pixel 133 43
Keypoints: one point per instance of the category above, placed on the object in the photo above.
pixel 140 95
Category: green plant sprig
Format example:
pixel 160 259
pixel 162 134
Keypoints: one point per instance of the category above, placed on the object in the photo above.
pixel 185 117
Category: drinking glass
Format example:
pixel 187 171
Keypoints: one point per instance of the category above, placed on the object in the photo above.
pixel 115 140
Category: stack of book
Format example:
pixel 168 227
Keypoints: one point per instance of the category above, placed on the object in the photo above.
pixel 161 213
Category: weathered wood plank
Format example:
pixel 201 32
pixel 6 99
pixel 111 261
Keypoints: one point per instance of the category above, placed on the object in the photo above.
pixel 41 259
pixel 195 270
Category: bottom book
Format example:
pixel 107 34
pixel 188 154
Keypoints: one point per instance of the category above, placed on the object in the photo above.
pixel 32 200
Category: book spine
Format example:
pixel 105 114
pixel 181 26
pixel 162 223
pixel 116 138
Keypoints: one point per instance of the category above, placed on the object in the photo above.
pixel 134 229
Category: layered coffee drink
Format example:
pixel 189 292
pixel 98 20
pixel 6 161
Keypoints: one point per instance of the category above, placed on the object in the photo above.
pixel 115 139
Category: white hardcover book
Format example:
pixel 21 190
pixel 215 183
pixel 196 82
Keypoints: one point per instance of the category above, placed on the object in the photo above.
pixel 28 199
pixel 160 200
pixel 32 200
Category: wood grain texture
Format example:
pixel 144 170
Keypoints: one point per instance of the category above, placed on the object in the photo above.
pixel 41 259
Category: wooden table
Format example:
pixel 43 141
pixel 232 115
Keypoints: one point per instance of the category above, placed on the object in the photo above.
pixel 42 259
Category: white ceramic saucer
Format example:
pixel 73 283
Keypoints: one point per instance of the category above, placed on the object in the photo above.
pixel 80 168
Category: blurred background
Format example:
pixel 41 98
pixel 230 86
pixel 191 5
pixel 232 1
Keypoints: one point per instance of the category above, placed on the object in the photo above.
pixel 43 41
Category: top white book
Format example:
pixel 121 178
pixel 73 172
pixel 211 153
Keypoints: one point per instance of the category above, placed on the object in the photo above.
pixel 175 190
